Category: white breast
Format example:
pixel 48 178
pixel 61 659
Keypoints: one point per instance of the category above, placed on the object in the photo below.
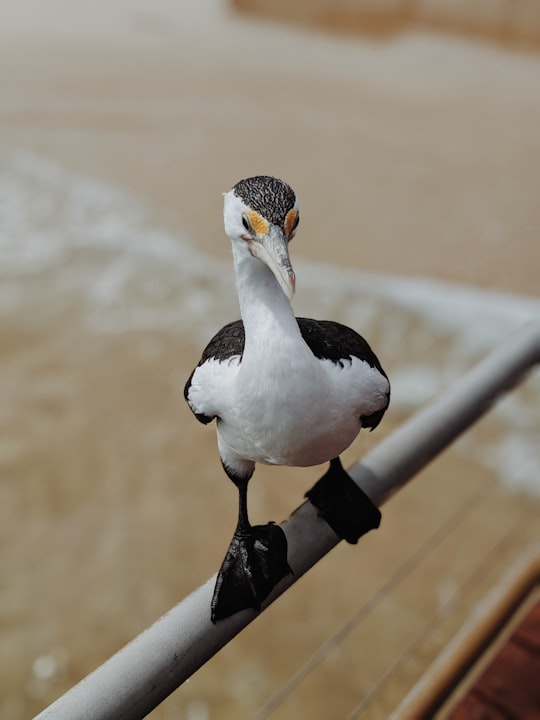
pixel 300 413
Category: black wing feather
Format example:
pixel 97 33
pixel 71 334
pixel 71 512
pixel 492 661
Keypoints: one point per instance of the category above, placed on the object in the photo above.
pixel 226 344
pixel 329 340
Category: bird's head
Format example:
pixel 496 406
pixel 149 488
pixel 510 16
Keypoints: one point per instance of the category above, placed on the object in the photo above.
pixel 261 217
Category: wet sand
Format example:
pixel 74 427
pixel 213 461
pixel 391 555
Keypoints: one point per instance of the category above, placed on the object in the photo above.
pixel 414 157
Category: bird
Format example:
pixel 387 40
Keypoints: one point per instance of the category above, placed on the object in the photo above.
pixel 282 390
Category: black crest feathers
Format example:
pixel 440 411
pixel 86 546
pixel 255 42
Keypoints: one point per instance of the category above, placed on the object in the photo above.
pixel 270 197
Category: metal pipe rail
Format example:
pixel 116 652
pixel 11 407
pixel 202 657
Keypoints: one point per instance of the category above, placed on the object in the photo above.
pixel 143 673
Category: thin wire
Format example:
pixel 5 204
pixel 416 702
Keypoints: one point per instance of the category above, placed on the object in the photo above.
pixel 394 580
pixel 441 614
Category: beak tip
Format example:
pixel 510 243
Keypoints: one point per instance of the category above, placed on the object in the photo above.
pixel 292 285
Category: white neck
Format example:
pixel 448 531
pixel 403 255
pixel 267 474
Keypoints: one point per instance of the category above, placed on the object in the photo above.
pixel 268 317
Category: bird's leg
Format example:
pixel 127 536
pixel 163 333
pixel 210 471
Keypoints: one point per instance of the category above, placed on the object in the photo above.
pixel 254 564
pixel 345 507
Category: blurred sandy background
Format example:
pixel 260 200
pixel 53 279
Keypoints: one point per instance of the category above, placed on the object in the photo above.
pixel 415 155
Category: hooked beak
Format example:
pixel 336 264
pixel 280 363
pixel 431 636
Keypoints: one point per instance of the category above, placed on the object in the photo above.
pixel 272 248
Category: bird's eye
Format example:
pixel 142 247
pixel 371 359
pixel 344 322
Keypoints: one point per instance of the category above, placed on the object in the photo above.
pixel 245 223
pixel 291 223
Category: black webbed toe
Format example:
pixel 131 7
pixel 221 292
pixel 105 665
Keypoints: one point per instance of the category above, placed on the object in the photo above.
pixel 343 505
pixel 254 564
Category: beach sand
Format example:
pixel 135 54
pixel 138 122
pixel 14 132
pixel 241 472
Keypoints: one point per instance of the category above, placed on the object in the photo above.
pixel 412 157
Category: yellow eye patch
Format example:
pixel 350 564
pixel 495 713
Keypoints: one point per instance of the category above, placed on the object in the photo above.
pixel 290 221
pixel 258 223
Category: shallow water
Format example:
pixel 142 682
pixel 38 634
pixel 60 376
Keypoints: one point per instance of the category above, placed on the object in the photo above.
pixel 411 156
pixel 113 504
pixel 88 259
pixel 415 155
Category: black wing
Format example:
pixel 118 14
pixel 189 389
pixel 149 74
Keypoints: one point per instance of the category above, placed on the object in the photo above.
pixel 226 343
pixel 329 340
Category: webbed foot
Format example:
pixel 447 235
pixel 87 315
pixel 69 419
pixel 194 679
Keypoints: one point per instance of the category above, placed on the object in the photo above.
pixel 343 505
pixel 254 564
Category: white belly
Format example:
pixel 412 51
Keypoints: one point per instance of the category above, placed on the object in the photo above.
pixel 277 437
pixel 307 416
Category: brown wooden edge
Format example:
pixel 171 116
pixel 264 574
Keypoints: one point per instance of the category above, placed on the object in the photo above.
pixel 486 620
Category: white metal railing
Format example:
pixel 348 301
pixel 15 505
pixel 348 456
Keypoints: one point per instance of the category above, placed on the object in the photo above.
pixel 143 673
